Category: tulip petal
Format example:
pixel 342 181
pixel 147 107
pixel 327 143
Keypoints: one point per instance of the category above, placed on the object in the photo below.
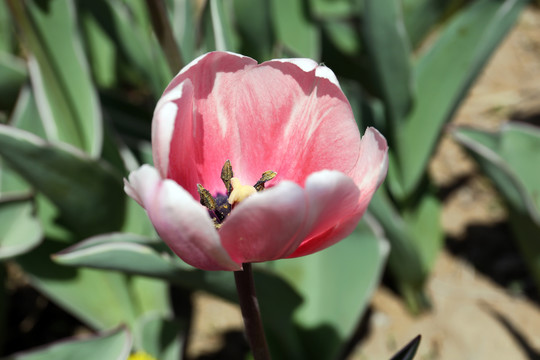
pixel 333 210
pixel 371 165
pixel 286 115
pixel 180 221
pixel 266 226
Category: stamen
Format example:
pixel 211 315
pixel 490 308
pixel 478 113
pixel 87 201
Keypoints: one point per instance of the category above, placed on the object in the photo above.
pixel 226 176
pixel 207 199
pixel 266 176
pixel 240 192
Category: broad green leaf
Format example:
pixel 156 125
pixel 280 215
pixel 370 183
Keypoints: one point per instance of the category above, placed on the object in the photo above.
pixel 220 15
pixel 12 76
pixel 424 225
pixel 75 183
pixel 162 338
pixel 20 231
pixel 389 52
pixel 138 255
pixel 409 351
pixel 127 24
pixel 344 36
pixel 444 74
pixel 508 158
pixel 7 38
pixel 101 52
pixel 150 296
pixel 26 116
pixel 107 346
pixel 332 9
pixel 142 256
pixel 336 285
pixel 99 298
pixel 422 15
pixel 294 30
pixel 183 19
pixel 67 100
pixel 253 23
pixel 405 261
pixel 488 150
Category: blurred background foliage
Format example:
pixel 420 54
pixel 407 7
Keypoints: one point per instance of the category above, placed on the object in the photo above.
pixel 78 84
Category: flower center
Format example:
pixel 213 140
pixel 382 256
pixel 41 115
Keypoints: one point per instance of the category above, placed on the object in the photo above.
pixel 220 206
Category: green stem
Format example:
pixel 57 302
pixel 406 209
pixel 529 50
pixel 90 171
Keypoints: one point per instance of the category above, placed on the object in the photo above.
pixel 250 312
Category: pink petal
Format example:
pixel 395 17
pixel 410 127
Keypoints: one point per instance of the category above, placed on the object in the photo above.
pixel 371 165
pixel 180 221
pixel 266 226
pixel 289 116
pixel 333 210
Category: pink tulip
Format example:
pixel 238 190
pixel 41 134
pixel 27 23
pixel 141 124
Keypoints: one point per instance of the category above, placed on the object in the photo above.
pixel 288 116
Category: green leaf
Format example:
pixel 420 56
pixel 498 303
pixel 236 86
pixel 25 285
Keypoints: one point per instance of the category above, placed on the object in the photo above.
pixel 424 225
pixel 387 46
pixel 99 298
pixel 139 255
pixel 336 285
pixel 507 159
pixel 67 100
pixel 422 15
pixel 444 74
pixel 332 9
pixel 12 76
pixel 88 194
pixel 294 30
pixel 161 338
pixel 127 24
pixel 20 231
pixel 224 35
pixel 182 19
pixel 108 346
pixel 254 26
pixel 409 351
pixel 405 262
pixel 101 52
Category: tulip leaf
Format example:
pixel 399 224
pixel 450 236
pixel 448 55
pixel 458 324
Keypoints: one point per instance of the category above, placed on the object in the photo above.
pixel 294 30
pixel 75 183
pixel 99 298
pixel 255 29
pixel 409 351
pixel 128 26
pixel 161 338
pixel 336 285
pixel 12 76
pixel 222 30
pixel 335 9
pixel 390 64
pixel 20 231
pixel 406 261
pixel 67 100
pixel 422 15
pixel 424 224
pixel 459 53
pixel 139 255
pixel 107 346
pixel 101 52
pixel 506 157
pixel 182 19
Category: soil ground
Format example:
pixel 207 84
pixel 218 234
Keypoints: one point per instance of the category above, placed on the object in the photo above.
pixel 484 305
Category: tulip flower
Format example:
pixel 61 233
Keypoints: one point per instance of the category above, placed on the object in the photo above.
pixel 256 162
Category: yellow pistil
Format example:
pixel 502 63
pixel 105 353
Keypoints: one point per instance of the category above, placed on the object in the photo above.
pixel 240 192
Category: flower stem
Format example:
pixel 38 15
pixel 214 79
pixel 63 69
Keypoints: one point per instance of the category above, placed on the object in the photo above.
pixel 250 312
